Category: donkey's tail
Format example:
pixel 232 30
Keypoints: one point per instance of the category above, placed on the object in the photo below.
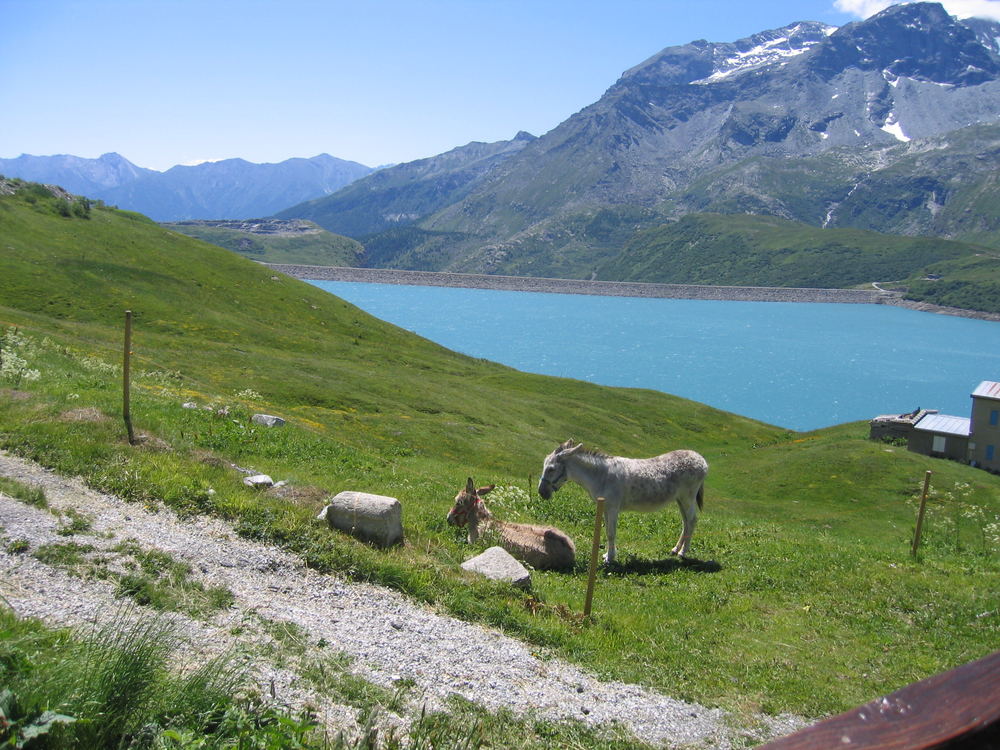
pixel 701 497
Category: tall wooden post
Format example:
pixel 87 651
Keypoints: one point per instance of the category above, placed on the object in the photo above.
pixel 127 377
pixel 920 513
pixel 594 549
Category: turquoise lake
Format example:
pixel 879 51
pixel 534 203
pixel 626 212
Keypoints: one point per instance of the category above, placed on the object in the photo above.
pixel 797 365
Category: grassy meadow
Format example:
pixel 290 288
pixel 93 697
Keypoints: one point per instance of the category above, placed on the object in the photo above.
pixel 805 599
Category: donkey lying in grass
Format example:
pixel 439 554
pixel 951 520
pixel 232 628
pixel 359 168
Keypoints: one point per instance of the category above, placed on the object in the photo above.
pixel 631 484
pixel 542 547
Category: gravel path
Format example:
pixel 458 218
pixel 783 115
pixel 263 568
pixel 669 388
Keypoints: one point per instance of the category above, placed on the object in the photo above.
pixel 388 637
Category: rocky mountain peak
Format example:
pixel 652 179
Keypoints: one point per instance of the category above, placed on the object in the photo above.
pixel 915 40
pixel 701 61
pixel 986 31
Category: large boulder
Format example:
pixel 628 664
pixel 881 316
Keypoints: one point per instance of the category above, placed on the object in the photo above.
pixel 372 518
pixel 498 564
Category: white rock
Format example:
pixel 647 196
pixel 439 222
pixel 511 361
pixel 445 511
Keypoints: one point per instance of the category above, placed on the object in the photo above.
pixel 258 480
pixel 372 518
pixel 267 420
pixel 498 564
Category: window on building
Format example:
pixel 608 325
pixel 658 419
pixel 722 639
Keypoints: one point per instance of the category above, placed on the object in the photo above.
pixel 939 443
pixel 989 452
pixel 995 417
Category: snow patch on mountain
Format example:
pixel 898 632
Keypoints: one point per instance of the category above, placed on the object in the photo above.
pixel 894 128
pixel 791 41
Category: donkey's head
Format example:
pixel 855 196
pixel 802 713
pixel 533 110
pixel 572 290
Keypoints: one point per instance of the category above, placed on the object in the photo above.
pixel 554 471
pixel 468 503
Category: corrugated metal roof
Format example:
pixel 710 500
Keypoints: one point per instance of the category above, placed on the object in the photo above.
pixel 945 424
pixel 988 389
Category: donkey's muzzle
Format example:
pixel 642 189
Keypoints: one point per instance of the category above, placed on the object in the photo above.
pixel 545 489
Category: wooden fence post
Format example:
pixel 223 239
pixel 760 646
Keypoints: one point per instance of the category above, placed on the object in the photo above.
pixel 127 377
pixel 920 513
pixel 595 548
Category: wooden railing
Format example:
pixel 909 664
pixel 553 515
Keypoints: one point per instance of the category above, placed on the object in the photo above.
pixel 957 710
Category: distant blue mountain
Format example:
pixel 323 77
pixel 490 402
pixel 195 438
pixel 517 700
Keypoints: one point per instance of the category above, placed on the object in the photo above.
pixel 77 175
pixel 229 189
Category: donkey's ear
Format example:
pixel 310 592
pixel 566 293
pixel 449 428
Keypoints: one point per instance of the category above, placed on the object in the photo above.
pixel 483 490
pixel 470 486
pixel 570 449
pixel 566 446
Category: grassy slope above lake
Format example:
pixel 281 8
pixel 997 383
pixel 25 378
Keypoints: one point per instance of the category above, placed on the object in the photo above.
pixel 746 250
pixel 810 602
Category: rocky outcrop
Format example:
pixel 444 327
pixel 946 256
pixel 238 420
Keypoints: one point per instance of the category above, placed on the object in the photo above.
pixel 269 227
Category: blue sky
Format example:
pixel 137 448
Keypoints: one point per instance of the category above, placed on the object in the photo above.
pixel 375 81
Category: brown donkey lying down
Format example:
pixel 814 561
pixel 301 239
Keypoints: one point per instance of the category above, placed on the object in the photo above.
pixel 542 547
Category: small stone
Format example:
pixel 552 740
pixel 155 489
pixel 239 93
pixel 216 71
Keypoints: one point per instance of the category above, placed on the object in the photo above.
pixel 267 420
pixel 258 481
pixel 498 564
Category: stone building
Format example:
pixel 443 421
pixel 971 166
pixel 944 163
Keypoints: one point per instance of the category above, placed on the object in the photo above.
pixel 974 440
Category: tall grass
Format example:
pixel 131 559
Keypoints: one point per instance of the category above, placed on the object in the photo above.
pixel 116 686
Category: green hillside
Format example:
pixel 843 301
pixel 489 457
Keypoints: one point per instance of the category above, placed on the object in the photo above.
pixel 806 599
pixel 746 250
pixel 969 282
pixel 272 241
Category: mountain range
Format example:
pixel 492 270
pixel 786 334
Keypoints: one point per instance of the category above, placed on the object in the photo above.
pixel 227 189
pixel 889 124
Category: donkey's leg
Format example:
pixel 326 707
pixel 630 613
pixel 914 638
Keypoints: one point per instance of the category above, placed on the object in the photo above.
pixel 689 515
pixel 611 526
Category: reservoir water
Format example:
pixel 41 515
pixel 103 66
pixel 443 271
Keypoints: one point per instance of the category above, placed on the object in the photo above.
pixel 797 365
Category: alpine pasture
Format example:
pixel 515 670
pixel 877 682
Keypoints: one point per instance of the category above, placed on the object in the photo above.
pixel 803 595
